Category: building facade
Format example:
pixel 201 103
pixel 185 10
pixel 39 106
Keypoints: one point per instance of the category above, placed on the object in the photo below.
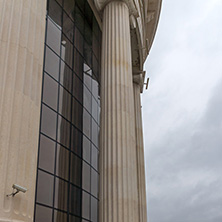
pixel 71 75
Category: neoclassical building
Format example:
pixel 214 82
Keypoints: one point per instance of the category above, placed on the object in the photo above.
pixel 71 139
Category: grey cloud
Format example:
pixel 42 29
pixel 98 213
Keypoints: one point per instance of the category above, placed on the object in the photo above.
pixel 182 113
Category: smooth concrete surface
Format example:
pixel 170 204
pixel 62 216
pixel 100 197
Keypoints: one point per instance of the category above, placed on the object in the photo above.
pixel 22 30
pixel 140 154
pixel 118 164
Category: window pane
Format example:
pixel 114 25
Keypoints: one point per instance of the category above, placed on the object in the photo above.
pixel 94 183
pixel 86 176
pixel 43 214
pixel 64 103
pixel 95 133
pixel 78 64
pixel 85 205
pixel 67 51
pixel 76 170
pixel 47 154
pixel 69 7
pixel 50 91
pixel 59 216
pixel 68 26
pixel 86 149
pixel 75 200
pixel 66 76
pixel 86 124
pixel 78 41
pixel 79 18
pixel 95 109
pixel 94 209
pixel 53 39
pixel 87 98
pixel 48 125
pixel 77 114
pixel 76 141
pixel 55 12
pixel 77 88
pixel 45 188
pixel 51 63
pixel 63 132
pixel 94 157
pixel 95 86
pixel 61 194
pixel 62 162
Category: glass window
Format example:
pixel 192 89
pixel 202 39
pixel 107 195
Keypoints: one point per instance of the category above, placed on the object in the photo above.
pixel 78 41
pixel 95 87
pixel 67 51
pixel 94 157
pixel 43 214
pixel 50 91
pixel 48 122
pixel 66 76
pixel 61 194
pixel 88 54
pixel 86 149
pixel 63 132
pixel 47 154
pixel 55 12
pixel 87 98
pixel 76 141
pixel 78 64
pixel 86 176
pixel 86 124
pixel 77 114
pixel 95 133
pixel 85 205
pixel 89 14
pixel 88 79
pixel 59 216
pixel 53 39
pixel 51 63
pixel 69 7
pixel 77 88
pixel 65 103
pixel 76 170
pixel 88 35
pixel 68 27
pixel 74 219
pixel 94 209
pixel 79 18
pixel 94 182
pixel 62 162
pixel 75 200
pixel 67 175
pixel 94 109
pixel 45 188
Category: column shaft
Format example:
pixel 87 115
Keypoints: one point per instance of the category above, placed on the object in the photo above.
pixel 118 170
pixel 140 154
pixel 22 28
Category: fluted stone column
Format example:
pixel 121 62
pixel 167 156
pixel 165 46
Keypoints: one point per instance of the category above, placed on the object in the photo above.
pixel 118 170
pixel 140 154
pixel 22 28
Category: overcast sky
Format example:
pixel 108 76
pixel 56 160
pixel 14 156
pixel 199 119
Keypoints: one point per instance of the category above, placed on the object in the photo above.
pixel 182 114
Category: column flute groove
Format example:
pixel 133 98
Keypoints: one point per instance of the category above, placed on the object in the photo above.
pixel 118 170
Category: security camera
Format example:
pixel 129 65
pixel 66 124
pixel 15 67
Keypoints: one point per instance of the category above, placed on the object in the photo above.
pixel 17 189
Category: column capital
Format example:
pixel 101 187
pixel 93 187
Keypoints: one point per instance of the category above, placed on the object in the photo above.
pixel 100 5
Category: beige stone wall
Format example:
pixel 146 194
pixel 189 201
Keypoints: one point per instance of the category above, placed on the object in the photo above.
pixel 22 29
